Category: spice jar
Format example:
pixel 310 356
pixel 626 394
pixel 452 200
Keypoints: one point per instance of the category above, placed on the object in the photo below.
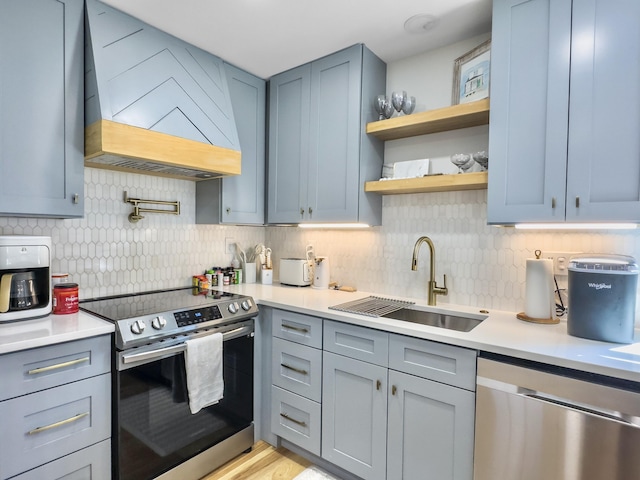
pixel 65 298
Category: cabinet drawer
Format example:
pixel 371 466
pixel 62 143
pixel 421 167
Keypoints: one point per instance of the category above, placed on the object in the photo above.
pixel 43 426
pixel 91 463
pixel 37 369
pixel 356 342
pixel 296 419
pixel 297 328
pixel 297 368
pixel 454 366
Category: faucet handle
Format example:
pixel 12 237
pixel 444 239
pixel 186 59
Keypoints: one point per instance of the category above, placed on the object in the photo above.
pixel 442 290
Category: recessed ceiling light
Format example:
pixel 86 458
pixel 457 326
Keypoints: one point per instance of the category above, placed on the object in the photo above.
pixel 420 23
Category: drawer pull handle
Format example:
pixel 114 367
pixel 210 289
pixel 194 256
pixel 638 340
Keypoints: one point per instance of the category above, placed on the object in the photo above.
pixel 297 422
pixel 58 424
pixel 393 390
pixel 378 384
pixel 297 329
pixel 35 371
pixel 297 370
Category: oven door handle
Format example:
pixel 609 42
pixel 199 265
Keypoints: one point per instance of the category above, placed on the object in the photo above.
pixel 168 351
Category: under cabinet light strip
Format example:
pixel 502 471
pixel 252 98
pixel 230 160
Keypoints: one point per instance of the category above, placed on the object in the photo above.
pixel 333 225
pixel 576 226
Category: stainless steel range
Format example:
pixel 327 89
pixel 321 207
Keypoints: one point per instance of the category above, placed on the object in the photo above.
pixel 154 433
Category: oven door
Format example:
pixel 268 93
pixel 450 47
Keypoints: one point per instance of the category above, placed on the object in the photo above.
pixel 154 430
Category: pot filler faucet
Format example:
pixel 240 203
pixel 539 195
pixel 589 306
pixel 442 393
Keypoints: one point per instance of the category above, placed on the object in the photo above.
pixel 433 288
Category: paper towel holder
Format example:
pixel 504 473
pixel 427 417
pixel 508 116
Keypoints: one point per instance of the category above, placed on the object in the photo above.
pixel 545 321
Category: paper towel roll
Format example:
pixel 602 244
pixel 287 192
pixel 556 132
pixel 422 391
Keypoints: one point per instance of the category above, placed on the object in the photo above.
pixel 539 295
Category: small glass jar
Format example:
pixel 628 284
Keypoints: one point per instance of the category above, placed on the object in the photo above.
pixel 65 298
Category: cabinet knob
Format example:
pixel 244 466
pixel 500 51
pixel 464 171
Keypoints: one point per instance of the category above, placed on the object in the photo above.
pixel 577 202
pixel 301 212
pixel 228 210
pixel 393 390
pixel 378 384
pixel 310 211
pixel 553 202
pixel 75 199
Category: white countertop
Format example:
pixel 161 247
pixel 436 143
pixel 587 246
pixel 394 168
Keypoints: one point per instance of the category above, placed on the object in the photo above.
pixel 25 334
pixel 500 333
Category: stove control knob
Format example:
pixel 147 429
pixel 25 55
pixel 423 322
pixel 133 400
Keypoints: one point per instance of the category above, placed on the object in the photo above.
pixel 246 305
pixel 137 327
pixel 233 307
pixel 158 323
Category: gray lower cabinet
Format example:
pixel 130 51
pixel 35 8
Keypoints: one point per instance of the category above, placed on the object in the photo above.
pixel 240 199
pixel 392 407
pixel 41 108
pixel 563 132
pixel 430 430
pixel 297 379
pixel 354 416
pixel 91 463
pixel 319 154
pixel 55 411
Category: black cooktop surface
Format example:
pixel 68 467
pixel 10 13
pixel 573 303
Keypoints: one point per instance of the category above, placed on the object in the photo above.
pixel 122 307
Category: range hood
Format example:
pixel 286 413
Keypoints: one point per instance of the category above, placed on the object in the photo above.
pixel 154 104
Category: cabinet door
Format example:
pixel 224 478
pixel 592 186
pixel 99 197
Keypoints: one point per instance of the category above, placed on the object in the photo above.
pixel 239 199
pixel 41 108
pixel 354 412
pixel 530 50
pixel 334 140
pixel 243 195
pixel 430 430
pixel 604 118
pixel 288 145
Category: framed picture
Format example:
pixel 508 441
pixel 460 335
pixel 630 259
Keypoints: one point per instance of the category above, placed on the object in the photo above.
pixel 471 75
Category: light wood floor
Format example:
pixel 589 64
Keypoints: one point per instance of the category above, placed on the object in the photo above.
pixel 264 462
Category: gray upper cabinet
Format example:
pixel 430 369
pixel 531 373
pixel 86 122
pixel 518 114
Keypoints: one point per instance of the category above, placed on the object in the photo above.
pixel 563 131
pixel 41 108
pixel 319 153
pixel 240 199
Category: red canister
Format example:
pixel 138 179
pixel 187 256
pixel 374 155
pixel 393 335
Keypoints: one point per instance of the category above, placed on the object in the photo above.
pixel 65 298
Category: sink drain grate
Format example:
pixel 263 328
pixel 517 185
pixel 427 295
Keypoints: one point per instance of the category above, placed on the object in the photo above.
pixel 372 306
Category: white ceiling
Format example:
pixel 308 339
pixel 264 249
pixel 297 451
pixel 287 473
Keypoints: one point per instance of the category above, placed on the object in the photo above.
pixel 266 37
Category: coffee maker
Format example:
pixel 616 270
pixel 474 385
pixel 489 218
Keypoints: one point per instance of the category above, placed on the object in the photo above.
pixel 25 278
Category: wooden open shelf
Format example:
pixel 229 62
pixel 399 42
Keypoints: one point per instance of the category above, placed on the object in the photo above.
pixel 432 183
pixel 432 121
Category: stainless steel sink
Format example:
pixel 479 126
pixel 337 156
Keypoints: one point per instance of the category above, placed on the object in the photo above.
pixel 435 319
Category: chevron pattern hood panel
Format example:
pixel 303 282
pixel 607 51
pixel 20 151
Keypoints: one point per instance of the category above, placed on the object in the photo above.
pixel 139 76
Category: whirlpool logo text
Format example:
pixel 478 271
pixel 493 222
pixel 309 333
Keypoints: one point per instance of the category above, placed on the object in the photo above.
pixel 600 286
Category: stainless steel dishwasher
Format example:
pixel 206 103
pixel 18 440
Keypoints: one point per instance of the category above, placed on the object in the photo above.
pixel 536 422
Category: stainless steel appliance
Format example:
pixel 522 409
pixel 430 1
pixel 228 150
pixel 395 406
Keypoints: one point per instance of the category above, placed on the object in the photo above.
pixel 25 280
pixel 602 297
pixel 540 422
pixel 154 433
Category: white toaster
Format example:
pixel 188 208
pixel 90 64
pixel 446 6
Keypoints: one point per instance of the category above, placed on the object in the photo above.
pixel 297 272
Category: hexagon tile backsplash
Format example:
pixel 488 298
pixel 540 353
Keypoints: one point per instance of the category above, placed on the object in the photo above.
pixel 107 255
pixel 485 266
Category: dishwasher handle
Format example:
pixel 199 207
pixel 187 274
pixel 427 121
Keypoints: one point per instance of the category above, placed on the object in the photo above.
pixel 590 409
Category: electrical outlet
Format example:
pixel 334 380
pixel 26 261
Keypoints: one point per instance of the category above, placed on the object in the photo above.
pixel 560 261
pixel 229 245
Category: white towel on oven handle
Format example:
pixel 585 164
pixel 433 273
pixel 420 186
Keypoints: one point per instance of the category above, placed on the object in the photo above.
pixel 203 365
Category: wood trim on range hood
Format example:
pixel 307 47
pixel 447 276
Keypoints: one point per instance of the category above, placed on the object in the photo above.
pixel 116 146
